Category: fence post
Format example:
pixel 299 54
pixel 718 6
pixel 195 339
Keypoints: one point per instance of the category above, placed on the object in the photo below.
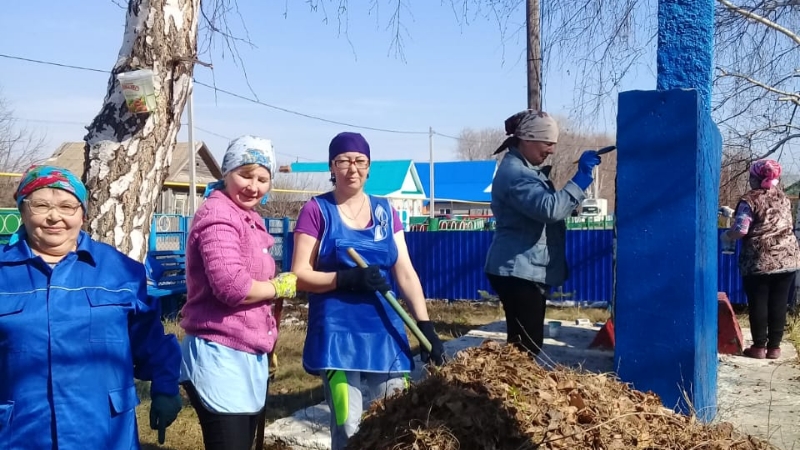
pixel 153 236
pixel 185 223
pixel 286 255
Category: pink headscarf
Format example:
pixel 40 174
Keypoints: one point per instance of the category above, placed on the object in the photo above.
pixel 767 171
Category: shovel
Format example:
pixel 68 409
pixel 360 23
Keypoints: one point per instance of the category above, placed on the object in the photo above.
pixel 262 417
pixel 423 341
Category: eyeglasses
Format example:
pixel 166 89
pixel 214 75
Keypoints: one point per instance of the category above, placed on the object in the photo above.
pixel 346 163
pixel 64 209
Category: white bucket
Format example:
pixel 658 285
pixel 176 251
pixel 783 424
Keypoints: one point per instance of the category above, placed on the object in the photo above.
pixel 139 90
pixel 553 328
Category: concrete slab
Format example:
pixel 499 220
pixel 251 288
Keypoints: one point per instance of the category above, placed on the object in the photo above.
pixel 760 397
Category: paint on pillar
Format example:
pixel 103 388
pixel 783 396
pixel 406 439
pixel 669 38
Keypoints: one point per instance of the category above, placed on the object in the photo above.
pixel 685 57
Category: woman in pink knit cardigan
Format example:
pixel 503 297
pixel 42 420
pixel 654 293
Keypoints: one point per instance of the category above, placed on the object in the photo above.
pixel 228 316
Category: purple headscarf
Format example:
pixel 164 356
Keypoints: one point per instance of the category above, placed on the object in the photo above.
pixel 347 142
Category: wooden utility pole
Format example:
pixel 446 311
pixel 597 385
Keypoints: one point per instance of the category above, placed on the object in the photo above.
pixel 534 55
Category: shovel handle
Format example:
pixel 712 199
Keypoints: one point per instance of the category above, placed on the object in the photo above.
pixel 423 341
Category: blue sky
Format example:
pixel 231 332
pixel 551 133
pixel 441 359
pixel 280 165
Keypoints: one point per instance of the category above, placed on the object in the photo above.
pixel 455 75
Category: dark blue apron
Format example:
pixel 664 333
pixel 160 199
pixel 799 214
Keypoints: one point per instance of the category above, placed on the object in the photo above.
pixel 355 331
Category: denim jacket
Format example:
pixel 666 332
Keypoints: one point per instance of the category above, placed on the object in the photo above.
pixel 529 241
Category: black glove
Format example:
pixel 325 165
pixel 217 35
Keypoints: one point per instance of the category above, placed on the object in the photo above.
pixel 164 410
pixel 436 355
pixel 358 279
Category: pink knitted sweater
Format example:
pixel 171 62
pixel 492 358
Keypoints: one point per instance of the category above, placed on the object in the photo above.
pixel 227 248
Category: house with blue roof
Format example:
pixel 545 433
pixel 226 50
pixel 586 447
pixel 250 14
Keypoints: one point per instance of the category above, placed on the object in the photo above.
pixel 460 187
pixel 396 180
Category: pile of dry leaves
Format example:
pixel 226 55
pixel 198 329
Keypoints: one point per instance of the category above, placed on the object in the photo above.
pixel 494 397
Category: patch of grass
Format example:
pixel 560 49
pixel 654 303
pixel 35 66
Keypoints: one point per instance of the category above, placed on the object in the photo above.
pixel 572 313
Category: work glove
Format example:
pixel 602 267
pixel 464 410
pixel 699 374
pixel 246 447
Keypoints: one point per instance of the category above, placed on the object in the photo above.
pixel 164 410
pixel 362 279
pixel 586 163
pixel 285 285
pixel 436 355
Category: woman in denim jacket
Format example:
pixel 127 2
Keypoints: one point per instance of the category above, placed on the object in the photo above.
pixel 527 254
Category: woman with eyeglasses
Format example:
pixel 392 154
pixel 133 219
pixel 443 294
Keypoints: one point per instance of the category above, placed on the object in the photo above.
pixel 76 328
pixel 353 332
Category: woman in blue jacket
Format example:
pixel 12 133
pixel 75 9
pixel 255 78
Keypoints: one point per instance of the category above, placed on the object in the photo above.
pixel 76 327
pixel 527 254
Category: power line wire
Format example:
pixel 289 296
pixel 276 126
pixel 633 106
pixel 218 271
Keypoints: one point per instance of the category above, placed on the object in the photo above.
pixel 308 116
pixel 51 63
pixel 227 92
pixel 448 136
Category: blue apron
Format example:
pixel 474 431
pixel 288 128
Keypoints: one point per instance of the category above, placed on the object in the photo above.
pixel 355 331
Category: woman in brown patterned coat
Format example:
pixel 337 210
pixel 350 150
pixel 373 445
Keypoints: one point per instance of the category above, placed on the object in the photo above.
pixel 769 256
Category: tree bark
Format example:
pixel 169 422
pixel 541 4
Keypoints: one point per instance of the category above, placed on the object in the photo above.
pixel 127 156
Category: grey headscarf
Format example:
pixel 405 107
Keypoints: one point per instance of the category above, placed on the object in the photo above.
pixel 529 125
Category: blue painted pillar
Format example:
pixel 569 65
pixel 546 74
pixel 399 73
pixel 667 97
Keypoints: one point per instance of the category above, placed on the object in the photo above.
pixel 685 57
pixel 667 197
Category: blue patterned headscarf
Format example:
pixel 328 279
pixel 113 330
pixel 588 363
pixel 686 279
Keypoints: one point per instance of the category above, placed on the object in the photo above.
pixel 243 151
pixel 40 177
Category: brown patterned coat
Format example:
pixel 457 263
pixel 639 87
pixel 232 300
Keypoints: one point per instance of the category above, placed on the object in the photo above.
pixel 770 245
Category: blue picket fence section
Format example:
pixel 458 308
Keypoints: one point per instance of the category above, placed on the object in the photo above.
pixel 728 278
pixel 450 264
pixel 590 256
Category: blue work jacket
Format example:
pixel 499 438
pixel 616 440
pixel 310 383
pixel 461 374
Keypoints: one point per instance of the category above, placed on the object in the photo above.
pixel 72 339
pixel 530 237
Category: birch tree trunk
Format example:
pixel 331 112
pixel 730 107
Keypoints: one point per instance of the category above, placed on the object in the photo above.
pixel 127 156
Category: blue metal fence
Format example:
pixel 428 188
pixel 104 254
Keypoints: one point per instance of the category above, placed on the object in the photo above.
pixel 450 265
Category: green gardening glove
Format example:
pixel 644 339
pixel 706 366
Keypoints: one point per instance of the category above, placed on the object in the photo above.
pixel 164 410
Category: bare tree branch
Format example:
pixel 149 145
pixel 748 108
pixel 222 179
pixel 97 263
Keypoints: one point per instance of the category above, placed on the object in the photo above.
pixel 785 95
pixel 762 20
pixel 19 146
pixel 215 23
pixel 475 145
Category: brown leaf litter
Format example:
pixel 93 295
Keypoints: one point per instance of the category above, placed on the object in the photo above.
pixel 494 397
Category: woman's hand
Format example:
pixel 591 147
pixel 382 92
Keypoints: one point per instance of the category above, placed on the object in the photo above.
pixel 368 279
pixel 285 285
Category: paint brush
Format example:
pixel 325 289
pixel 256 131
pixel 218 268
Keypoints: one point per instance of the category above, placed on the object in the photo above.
pixel 602 151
